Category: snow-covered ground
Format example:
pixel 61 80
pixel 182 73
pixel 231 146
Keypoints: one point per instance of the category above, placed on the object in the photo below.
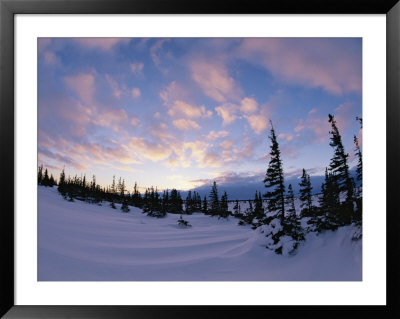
pixel 78 241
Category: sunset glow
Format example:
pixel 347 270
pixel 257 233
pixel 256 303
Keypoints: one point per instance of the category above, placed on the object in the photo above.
pixel 181 112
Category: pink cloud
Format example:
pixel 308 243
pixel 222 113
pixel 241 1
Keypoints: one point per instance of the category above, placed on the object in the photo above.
pixel 228 112
pixel 43 43
pixel 247 109
pixel 246 151
pixel 172 93
pixel 180 108
pixel 257 122
pixel 117 153
pixel 212 135
pixel 226 144
pixel 185 125
pixel 159 130
pixel 318 125
pixel 248 105
pixel 311 62
pixel 135 92
pixel 111 119
pixel 104 44
pixel 287 137
pixel 211 160
pixel 82 85
pixel 289 151
pixel 117 91
pixel 135 121
pixel 59 159
pixel 150 150
pixel 50 58
pixel 215 81
pixel 345 115
pixel 88 153
pixel 69 109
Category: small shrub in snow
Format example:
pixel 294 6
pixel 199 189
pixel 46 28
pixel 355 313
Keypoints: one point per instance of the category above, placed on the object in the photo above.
pixel 125 207
pixel 112 205
pixel 157 214
pixel 184 223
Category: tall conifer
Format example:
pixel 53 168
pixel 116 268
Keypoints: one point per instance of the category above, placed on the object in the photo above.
pixel 340 172
pixel 274 179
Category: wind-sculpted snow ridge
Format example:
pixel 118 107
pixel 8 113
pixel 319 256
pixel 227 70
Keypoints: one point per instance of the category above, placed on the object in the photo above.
pixel 78 241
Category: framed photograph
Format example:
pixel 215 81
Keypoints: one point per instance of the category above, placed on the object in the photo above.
pixel 176 159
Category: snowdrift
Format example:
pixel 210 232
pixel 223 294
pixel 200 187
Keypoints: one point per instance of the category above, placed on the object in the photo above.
pixel 78 241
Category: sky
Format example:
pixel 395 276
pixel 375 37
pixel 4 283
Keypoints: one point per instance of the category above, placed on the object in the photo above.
pixel 183 112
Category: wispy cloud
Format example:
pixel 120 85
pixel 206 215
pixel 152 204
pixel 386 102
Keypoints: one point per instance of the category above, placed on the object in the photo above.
pixel 180 108
pixel 82 85
pixel 155 50
pixel 148 149
pixel 213 135
pixel 185 125
pixel 104 44
pixel 311 62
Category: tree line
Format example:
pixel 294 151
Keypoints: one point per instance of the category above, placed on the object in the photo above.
pixel 152 202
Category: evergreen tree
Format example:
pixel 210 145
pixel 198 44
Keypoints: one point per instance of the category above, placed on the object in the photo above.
pixel 136 196
pixel 52 182
pixel 146 202
pixel 113 188
pixel 165 201
pixel 189 203
pixel 248 217
pixel 214 201
pixel 236 209
pixel 292 226
pixel 61 183
pixel 358 195
pixel 196 202
pixel 305 194
pixel 329 204
pixel 224 206
pixel 204 208
pixel 274 179
pixel 175 202
pixel 359 156
pixel 359 119
pixel 46 179
pixel 340 172
pixel 124 206
pixel 40 175
pixel 122 188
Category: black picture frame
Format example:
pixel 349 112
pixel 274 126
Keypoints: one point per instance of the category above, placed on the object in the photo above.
pixel 8 8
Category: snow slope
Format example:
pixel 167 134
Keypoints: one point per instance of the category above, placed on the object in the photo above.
pixel 78 241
